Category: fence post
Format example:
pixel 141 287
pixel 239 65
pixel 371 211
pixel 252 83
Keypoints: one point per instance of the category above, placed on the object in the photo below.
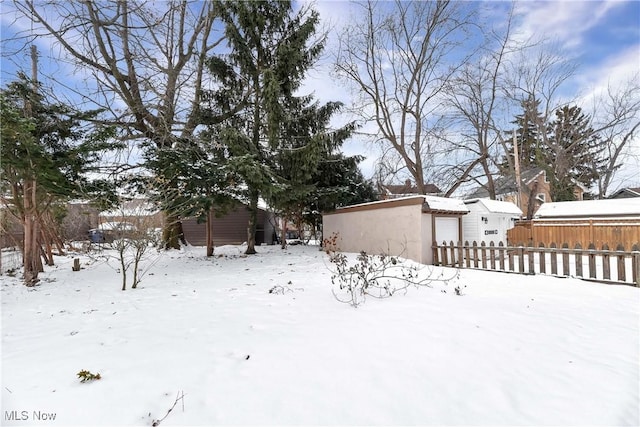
pixel 543 258
pixel 460 258
pixel 436 260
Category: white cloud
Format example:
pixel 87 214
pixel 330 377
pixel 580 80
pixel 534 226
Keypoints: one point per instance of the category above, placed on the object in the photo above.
pixel 565 21
pixel 615 70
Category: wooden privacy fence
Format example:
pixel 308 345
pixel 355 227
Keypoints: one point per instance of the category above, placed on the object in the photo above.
pixel 625 231
pixel 605 265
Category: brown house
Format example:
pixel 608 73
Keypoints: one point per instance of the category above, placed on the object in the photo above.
pixel 230 229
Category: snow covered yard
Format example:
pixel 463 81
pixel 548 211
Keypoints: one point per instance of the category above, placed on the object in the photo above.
pixel 513 349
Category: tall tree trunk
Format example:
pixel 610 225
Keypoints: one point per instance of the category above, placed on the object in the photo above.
pixel 283 233
pixel 31 256
pixel 172 233
pixel 210 232
pixel 48 252
pixel 253 222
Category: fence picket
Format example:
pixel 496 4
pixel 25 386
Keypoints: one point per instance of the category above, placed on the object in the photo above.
pixel 622 276
pixel 483 254
pixel 466 254
pixel 606 263
pixel 492 255
pixel 510 255
pixel 578 258
pixel 445 259
pixel 554 259
pixel 543 259
pixel 521 259
pixel 450 254
pixel 635 264
pixel 592 261
pixel 532 266
pixel 565 259
pixel 475 254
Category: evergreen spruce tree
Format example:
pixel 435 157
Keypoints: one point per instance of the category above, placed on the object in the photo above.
pixel 271 49
pixel 339 182
pixel 312 175
pixel 46 151
pixel 573 150
pixel 528 136
pixel 190 179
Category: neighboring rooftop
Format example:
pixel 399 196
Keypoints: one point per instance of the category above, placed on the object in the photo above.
pixel 590 208
pixel 496 206
pixel 506 184
pixel 406 189
pixel 625 193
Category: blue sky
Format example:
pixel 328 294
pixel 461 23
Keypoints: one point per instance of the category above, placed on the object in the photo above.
pixel 603 36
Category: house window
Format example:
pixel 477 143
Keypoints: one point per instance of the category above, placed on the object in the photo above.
pixel 540 196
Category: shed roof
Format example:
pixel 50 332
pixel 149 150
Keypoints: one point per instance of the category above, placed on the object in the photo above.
pixel 590 208
pixel 430 204
pixel 444 204
pixel 496 206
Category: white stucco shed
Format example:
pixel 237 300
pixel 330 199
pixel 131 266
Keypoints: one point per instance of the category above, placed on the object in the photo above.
pixel 488 220
pixel 405 227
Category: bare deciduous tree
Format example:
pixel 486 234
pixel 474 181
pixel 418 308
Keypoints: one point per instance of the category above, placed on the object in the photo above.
pixel 147 59
pixel 617 120
pixel 399 57
pixel 476 95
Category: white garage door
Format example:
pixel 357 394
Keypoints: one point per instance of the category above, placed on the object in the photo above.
pixel 446 229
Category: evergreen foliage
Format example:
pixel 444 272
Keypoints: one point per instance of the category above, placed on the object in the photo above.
pixel 573 150
pixel 50 143
pixel 567 148
pixel 530 141
pixel 271 49
pixel 190 178
pixel 46 152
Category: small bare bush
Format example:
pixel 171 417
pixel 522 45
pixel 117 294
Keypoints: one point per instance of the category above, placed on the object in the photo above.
pixel 376 276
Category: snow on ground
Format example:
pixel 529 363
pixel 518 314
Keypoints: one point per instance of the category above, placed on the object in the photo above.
pixel 525 350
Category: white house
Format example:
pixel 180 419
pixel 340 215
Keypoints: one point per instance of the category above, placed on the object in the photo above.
pixel 405 227
pixel 488 220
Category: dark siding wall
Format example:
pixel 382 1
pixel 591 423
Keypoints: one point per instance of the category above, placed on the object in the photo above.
pixel 230 229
